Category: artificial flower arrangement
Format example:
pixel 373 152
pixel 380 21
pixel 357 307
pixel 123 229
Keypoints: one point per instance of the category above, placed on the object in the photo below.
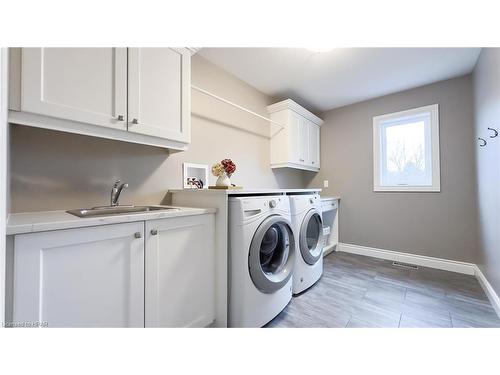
pixel 223 171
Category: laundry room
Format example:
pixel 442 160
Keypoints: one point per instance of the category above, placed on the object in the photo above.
pixel 253 187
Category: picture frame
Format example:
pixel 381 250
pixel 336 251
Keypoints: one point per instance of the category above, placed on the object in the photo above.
pixel 197 171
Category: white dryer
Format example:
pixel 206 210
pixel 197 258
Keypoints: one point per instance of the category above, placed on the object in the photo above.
pixel 261 259
pixel 307 225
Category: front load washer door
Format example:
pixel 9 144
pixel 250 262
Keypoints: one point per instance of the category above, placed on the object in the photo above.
pixel 272 254
pixel 311 237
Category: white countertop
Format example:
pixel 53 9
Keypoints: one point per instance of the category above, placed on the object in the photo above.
pixel 27 222
pixel 245 191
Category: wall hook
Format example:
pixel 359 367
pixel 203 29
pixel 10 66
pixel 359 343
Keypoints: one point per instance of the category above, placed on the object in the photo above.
pixel 482 144
pixel 495 131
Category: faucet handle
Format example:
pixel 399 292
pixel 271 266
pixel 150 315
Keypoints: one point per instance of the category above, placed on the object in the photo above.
pixel 117 182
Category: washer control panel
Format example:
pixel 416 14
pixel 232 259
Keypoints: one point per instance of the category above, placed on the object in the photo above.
pixel 314 199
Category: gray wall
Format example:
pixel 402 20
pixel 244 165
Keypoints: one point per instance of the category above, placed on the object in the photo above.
pixel 54 170
pixel 487 114
pixel 434 224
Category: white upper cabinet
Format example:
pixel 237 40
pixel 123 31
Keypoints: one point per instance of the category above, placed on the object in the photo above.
pixel 314 144
pixel 139 95
pixel 159 86
pixel 297 145
pixel 303 145
pixel 81 84
pixel 294 144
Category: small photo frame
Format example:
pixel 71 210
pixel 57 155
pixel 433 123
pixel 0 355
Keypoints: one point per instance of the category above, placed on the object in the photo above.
pixel 195 176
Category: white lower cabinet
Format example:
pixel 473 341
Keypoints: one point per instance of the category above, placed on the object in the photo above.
pixel 180 272
pixel 158 273
pixel 85 277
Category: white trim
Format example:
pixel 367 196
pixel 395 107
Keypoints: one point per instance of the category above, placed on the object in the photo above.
pixel 68 126
pixel 488 289
pixel 434 126
pixel 328 249
pixel 419 260
pixel 296 166
pixel 3 173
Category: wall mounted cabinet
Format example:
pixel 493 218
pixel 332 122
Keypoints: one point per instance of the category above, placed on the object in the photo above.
pixel 158 93
pixel 297 145
pixel 139 95
pixel 86 85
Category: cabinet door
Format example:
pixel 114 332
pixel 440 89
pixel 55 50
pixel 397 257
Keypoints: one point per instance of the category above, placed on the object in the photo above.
pixel 180 272
pixel 159 92
pixel 295 139
pixel 87 85
pixel 87 277
pixel 314 145
pixel 304 142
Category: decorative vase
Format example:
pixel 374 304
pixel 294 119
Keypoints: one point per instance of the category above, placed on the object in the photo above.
pixel 223 180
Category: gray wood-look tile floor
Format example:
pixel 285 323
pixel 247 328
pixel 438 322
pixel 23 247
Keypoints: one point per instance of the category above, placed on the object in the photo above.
pixel 358 291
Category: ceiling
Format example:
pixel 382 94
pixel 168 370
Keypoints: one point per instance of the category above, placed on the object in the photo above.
pixel 322 81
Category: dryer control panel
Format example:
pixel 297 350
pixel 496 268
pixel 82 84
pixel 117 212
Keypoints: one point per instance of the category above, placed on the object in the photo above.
pixel 304 202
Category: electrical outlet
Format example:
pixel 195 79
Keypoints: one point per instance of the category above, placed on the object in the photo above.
pixel 325 183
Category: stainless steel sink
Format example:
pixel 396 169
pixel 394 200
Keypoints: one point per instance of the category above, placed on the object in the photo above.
pixel 117 210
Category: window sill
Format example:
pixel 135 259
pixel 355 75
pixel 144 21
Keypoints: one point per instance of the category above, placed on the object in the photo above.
pixel 408 189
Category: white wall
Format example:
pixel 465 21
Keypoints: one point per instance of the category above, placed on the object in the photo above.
pixel 486 80
pixel 3 174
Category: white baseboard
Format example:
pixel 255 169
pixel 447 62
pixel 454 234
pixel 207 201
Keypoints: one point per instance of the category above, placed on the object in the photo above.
pixel 419 260
pixel 424 261
pixel 329 249
pixel 488 289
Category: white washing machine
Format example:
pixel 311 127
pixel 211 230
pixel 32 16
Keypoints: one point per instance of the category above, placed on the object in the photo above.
pixel 261 259
pixel 307 224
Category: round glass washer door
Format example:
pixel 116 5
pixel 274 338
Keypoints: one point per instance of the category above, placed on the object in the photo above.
pixel 272 254
pixel 311 237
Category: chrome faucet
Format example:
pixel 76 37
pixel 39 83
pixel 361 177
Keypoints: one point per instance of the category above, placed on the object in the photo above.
pixel 116 191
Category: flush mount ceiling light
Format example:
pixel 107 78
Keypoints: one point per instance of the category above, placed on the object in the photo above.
pixel 319 49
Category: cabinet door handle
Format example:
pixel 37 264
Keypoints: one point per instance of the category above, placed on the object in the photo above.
pixel 137 235
pixel 313 162
pixel 301 159
pixel 120 118
pixel 154 232
pixel 135 121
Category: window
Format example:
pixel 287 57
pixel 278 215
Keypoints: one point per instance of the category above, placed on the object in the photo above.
pixel 406 150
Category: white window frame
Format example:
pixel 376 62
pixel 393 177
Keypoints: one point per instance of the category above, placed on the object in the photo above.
pixel 433 110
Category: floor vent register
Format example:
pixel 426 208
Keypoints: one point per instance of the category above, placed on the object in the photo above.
pixel 405 265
